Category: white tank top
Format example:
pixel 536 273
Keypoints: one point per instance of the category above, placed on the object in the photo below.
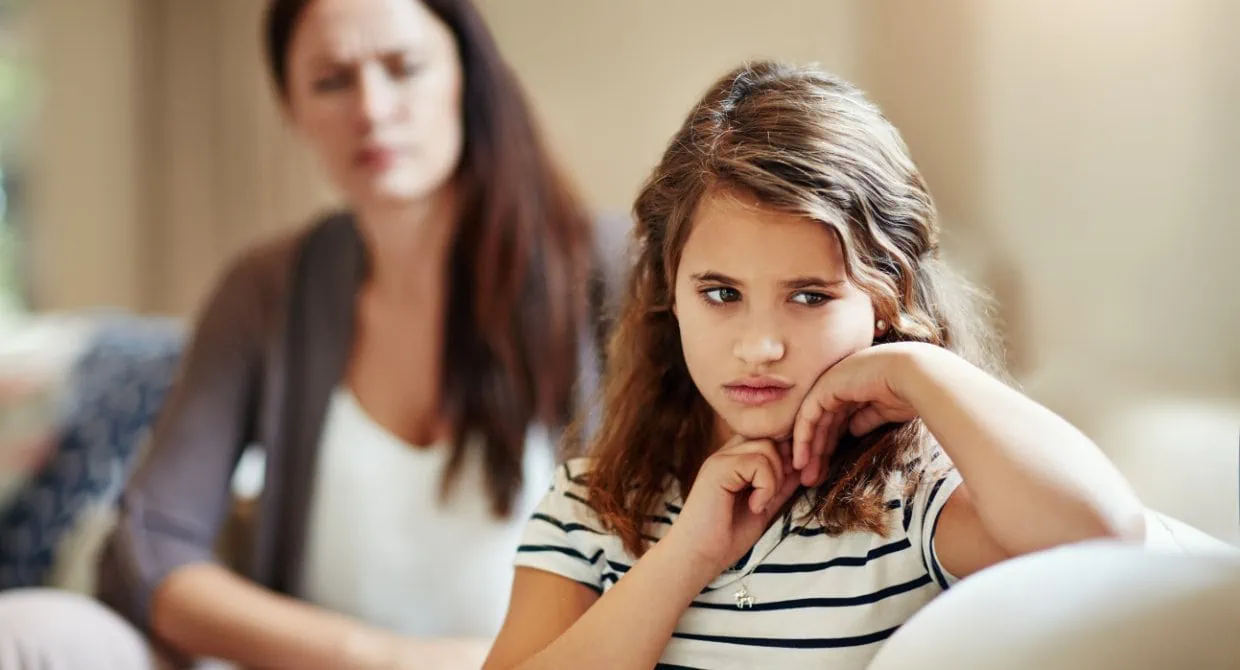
pixel 383 548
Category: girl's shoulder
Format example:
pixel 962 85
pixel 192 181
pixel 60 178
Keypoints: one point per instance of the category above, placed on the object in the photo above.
pixel 567 501
pixel 572 480
pixel 572 476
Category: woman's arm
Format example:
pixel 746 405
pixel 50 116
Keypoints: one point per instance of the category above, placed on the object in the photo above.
pixel 158 567
pixel 207 611
pixel 1031 480
pixel 174 505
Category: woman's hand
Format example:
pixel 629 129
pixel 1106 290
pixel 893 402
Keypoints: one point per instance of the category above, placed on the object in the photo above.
pixel 737 493
pixel 387 650
pixel 858 394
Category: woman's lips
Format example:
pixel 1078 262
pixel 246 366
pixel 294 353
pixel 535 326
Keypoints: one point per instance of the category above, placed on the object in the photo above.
pixel 376 158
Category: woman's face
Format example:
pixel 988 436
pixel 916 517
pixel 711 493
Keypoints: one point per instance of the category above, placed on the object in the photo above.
pixel 764 307
pixel 374 86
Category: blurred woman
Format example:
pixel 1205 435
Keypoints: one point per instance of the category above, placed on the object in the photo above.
pixel 406 365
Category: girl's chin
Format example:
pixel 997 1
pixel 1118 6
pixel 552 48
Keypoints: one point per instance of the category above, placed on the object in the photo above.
pixel 755 428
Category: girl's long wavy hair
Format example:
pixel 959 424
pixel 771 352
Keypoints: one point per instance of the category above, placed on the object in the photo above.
pixel 811 144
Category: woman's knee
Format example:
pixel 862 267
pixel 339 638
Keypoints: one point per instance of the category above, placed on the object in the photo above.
pixel 59 630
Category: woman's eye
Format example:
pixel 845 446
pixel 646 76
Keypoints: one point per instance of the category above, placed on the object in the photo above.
pixel 333 82
pixel 722 294
pixel 405 70
pixel 810 299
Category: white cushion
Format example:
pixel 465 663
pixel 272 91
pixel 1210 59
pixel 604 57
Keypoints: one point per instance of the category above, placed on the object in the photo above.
pixel 1082 607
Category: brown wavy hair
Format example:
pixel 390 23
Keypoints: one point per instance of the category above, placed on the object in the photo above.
pixel 804 142
pixel 522 271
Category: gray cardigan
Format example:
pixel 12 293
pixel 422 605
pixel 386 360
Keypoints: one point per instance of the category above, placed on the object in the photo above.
pixel 269 347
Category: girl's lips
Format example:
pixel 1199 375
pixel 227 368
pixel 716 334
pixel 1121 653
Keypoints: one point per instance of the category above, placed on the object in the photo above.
pixel 755 395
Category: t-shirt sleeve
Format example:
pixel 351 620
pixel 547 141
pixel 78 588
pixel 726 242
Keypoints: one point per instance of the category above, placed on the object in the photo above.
pixel 561 536
pixel 938 480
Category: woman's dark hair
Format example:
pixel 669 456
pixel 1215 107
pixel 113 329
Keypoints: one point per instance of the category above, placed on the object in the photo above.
pixel 520 265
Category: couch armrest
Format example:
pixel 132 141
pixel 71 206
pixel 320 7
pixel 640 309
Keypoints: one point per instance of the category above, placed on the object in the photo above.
pixel 1087 606
pixel 1165 533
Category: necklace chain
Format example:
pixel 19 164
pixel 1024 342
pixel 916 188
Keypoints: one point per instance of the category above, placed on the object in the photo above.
pixel 744 599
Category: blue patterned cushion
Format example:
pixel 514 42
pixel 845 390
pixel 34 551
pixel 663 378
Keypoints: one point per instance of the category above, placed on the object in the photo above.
pixel 118 386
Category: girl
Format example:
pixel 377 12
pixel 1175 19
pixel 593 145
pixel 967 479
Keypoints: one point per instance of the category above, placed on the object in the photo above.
pixel 801 445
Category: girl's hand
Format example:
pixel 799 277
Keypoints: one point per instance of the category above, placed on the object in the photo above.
pixel 739 490
pixel 857 394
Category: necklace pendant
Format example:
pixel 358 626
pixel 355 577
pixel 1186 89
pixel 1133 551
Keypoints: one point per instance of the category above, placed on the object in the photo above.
pixel 743 599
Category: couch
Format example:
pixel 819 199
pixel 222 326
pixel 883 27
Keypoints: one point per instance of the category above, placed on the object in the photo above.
pixel 1093 606
pixel 117 381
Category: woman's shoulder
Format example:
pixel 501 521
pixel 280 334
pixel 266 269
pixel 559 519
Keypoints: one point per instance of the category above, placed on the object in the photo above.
pixel 264 268
pixel 262 262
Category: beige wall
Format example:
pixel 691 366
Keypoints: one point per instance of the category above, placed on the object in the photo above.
pixel 160 151
pixel 225 168
pixel 613 80
pixel 1106 178
pixel 1082 154
pixel 84 183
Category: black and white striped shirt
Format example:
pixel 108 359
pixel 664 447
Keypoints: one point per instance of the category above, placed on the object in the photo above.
pixel 817 601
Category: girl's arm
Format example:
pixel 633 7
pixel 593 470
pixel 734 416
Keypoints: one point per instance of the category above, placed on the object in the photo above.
pixel 1031 480
pixel 556 622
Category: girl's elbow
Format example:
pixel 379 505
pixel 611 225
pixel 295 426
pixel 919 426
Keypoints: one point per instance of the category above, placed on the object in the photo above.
pixel 1128 524
pixel 1119 522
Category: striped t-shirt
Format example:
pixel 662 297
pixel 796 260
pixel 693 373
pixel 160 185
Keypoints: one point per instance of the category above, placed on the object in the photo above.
pixel 808 599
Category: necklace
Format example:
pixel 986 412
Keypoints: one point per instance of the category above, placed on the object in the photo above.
pixel 743 599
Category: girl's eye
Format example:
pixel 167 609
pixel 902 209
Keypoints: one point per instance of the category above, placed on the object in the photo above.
pixel 811 299
pixel 721 295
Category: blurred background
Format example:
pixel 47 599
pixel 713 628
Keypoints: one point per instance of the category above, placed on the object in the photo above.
pixel 1083 154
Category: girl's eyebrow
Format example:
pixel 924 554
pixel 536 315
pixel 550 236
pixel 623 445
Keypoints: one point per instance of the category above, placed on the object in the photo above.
pixel 715 278
pixel 804 282
pixel 813 282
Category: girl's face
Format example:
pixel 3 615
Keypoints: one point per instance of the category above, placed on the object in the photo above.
pixel 764 307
